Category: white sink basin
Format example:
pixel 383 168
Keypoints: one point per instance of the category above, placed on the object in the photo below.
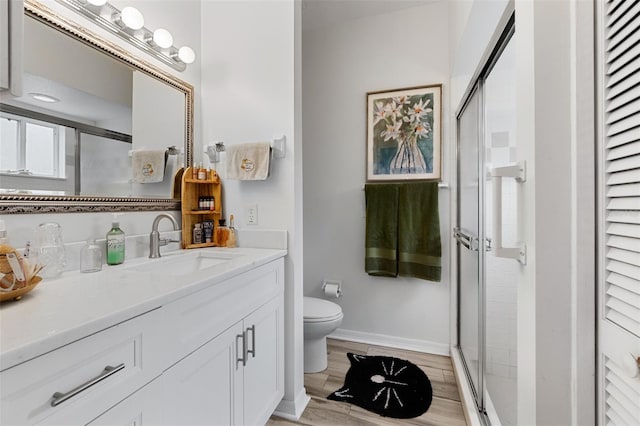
pixel 183 264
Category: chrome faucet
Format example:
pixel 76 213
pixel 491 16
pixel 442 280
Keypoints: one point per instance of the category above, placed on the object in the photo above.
pixel 155 242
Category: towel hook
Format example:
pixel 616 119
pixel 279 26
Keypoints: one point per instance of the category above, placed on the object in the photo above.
pixel 279 147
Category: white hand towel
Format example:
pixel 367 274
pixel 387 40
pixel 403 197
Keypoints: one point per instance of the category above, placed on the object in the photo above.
pixel 148 165
pixel 248 161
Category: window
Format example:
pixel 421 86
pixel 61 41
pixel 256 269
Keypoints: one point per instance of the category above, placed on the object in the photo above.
pixel 30 147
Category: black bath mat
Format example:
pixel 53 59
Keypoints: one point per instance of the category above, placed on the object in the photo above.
pixel 387 386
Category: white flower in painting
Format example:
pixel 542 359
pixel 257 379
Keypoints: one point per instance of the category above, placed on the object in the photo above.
pixel 419 109
pixel 392 130
pixel 395 109
pixel 381 112
pixel 401 100
pixel 421 130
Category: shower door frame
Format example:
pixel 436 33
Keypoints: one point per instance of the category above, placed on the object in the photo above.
pixel 478 394
pixel 506 33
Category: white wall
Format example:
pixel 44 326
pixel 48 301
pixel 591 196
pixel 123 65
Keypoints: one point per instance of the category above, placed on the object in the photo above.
pixel 95 178
pixel 248 90
pixel 341 64
pixel 158 127
pixel 556 321
pixel 472 25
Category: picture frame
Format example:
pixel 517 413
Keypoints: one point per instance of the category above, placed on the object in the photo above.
pixel 404 134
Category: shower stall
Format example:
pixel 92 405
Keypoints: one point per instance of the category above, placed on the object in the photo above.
pixel 489 256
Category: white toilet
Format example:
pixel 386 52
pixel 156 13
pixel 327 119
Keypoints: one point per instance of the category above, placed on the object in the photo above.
pixel 321 318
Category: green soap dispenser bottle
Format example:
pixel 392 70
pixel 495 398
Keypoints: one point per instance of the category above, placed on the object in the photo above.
pixel 115 244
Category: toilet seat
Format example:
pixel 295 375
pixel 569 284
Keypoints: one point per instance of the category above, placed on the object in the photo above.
pixel 319 310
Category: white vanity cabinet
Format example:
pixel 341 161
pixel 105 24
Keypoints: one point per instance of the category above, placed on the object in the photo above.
pixel 236 377
pixel 214 356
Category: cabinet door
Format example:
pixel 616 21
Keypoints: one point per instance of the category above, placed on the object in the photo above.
pixel 264 372
pixel 143 408
pixel 205 388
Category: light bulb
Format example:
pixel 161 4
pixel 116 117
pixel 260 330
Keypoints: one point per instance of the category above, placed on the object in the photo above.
pixel 186 55
pixel 162 38
pixel 132 18
pixel 97 2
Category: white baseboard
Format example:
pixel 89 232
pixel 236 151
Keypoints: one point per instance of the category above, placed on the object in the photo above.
pixel 391 341
pixel 292 410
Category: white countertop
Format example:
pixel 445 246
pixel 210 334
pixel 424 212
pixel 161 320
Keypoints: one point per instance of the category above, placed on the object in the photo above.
pixel 62 310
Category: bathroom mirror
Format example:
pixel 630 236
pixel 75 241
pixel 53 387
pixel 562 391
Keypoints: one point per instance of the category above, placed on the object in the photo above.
pixel 113 104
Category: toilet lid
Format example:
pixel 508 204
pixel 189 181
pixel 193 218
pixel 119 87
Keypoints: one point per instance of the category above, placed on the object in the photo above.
pixel 315 309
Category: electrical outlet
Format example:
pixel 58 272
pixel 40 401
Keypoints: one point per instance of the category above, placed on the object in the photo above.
pixel 252 214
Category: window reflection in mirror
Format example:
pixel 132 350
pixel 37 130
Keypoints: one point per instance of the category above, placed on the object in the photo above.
pixel 31 147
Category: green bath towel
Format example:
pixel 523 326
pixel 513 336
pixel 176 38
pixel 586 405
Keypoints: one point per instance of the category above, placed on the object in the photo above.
pixel 381 237
pixel 403 230
pixel 419 249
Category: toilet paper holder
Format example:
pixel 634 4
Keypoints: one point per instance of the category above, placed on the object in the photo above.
pixel 332 288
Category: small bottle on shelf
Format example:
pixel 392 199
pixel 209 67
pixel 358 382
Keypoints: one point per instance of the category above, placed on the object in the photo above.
pixel 197 234
pixel 202 173
pixel 207 230
pixel 231 241
pixel 194 171
pixel 222 234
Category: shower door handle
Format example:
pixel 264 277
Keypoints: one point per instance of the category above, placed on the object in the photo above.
pixel 468 241
pixel 518 172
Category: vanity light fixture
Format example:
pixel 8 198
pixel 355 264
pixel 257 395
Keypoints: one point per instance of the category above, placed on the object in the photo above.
pixel 128 24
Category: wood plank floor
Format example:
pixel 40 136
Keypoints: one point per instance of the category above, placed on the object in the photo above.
pixel 445 410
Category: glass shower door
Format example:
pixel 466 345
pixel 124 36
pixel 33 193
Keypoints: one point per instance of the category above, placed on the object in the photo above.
pixel 501 275
pixel 487 291
pixel 467 234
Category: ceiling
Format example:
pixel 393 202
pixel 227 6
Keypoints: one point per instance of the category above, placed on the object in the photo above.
pixel 325 13
pixel 73 104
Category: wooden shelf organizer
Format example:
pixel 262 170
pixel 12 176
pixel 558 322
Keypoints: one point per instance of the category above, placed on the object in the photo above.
pixel 192 190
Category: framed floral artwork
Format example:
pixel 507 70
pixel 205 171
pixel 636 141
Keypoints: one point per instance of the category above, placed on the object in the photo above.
pixel 404 134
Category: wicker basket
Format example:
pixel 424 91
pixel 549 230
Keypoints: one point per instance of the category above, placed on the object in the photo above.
pixel 17 294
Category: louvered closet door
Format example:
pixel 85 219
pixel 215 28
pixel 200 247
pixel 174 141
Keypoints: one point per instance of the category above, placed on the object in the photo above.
pixel 619 298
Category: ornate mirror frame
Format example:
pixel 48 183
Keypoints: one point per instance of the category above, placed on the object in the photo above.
pixel 17 204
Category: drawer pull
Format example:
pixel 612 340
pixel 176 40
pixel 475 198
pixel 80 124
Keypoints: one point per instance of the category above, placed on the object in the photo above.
pixel 59 397
pixel 252 351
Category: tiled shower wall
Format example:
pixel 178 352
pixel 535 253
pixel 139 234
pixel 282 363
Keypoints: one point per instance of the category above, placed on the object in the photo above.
pixel 501 274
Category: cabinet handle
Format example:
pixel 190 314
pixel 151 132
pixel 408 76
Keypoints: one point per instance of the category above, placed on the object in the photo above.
pixel 59 397
pixel 243 359
pixel 252 351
